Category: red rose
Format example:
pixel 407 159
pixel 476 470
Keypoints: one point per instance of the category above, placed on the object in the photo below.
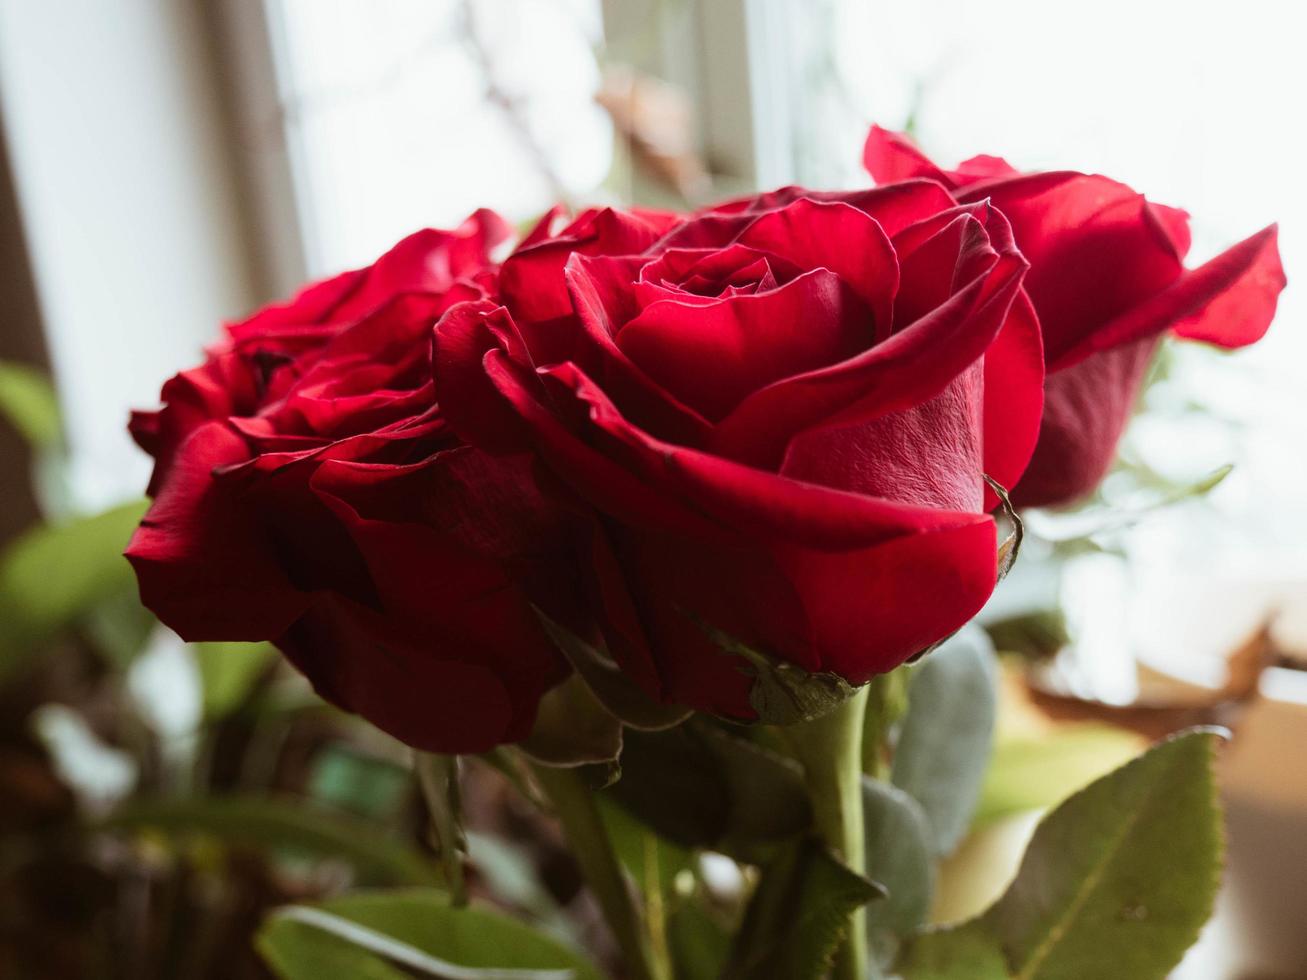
pixel 780 413
pixel 309 491
pixel 1107 278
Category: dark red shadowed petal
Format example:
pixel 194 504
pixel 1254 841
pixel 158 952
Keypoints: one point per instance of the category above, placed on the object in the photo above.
pixel 439 553
pixel 468 400
pixel 430 700
pixel 203 565
pixel 1086 407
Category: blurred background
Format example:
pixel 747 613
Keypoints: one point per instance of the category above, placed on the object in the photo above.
pixel 165 166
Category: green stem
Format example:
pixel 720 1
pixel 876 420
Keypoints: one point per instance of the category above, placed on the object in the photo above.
pixel 438 779
pixel 574 804
pixel 830 749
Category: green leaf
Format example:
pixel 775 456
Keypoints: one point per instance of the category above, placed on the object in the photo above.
pixel 651 860
pixel 344 775
pixel 573 728
pixel 614 689
pixel 373 935
pixel 966 952
pixel 944 743
pixel 438 778
pixel 28 402
pixel 798 915
pixel 55 573
pixel 119 627
pixel 1117 881
pixel 699 944
pixel 509 871
pixel 1126 868
pixel 701 786
pixel 288 825
pixel 228 672
pixel 899 858
pixel 1036 772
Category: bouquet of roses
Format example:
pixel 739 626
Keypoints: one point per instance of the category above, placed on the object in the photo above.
pixel 666 513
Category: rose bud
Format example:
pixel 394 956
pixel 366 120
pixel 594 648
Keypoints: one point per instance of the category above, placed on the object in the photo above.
pixel 308 491
pixel 779 417
pixel 1108 281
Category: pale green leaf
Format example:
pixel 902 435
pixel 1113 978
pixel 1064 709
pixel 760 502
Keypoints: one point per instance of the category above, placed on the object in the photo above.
pixel 368 934
pixel 899 859
pixel 228 672
pixel 1036 772
pixel 963 953
pixel 946 735
pixel 284 825
pixel 28 403
pixel 53 574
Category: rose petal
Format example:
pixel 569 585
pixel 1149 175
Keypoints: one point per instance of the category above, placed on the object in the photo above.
pixel 1093 252
pixel 361 662
pixel 835 236
pixel 911 366
pixel 711 356
pixel 531 280
pixel 1086 407
pixel 202 562
pixel 1229 301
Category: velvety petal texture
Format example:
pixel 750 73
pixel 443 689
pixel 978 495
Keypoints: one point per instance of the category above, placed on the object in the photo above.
pixel 1107 281
pixel 309 491
pixel 777 417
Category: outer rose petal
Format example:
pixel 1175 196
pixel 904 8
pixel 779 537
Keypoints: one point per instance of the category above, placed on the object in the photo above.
pixel 759 546
pixel 1086 408
pixel 426 261
pixel 1093 251
pixel 203 566
pixel 360 661
pixel 441 586
pixel 1229 301
pixel 1014 397
pixel 883 456
pixel 890 157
